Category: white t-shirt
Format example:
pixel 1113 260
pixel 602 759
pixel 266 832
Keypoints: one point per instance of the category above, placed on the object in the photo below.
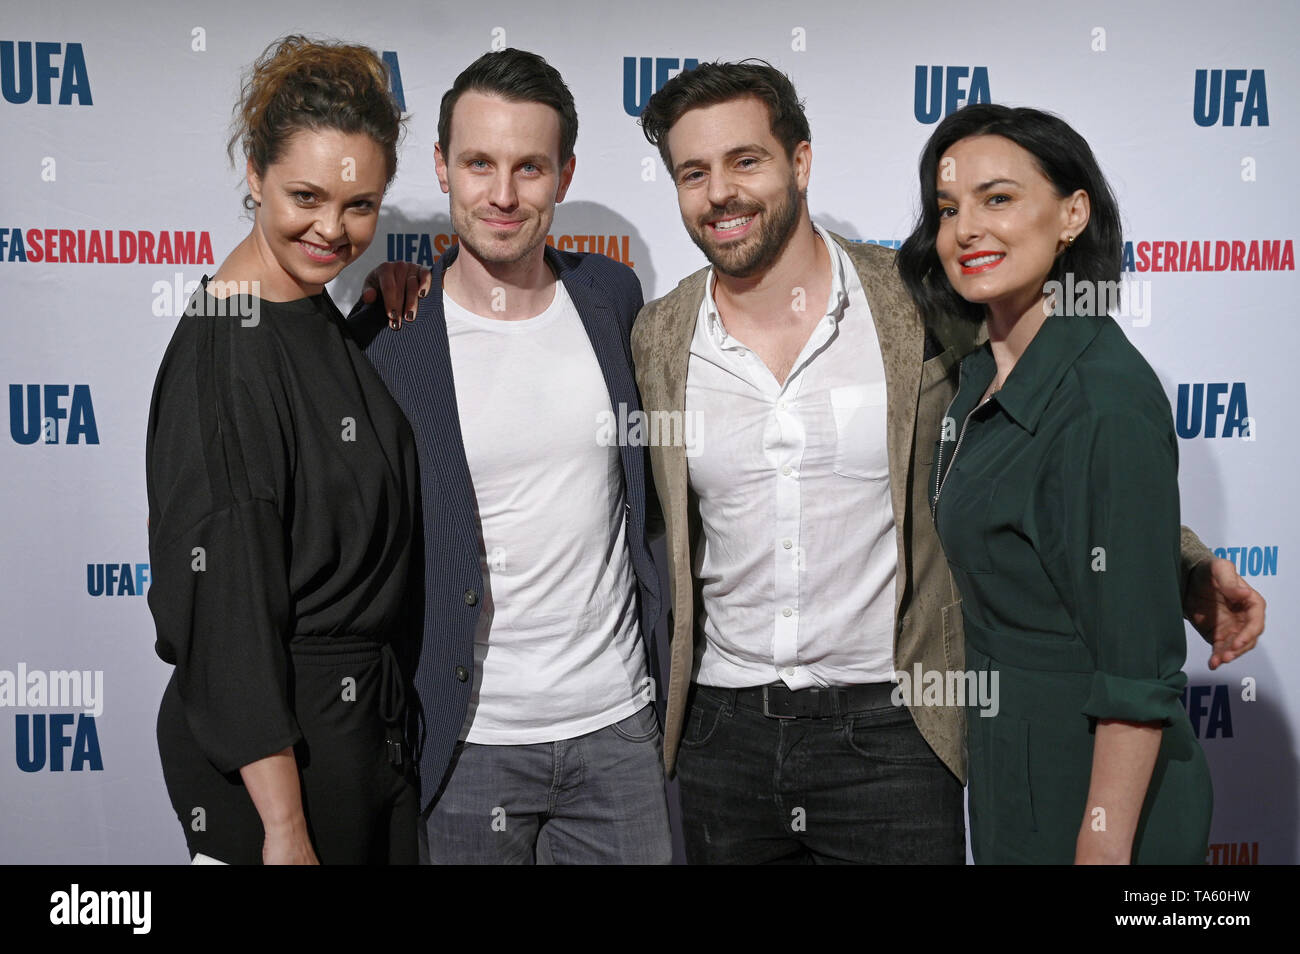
pixel 557 651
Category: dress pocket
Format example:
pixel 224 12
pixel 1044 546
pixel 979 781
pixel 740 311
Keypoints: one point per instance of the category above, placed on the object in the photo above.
pixel 1002 767
pixel 861 434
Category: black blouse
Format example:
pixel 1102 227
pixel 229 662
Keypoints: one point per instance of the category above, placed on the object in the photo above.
pixel 282 482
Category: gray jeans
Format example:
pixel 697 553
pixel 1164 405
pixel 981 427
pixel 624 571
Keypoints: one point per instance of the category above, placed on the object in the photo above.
pixel 595 799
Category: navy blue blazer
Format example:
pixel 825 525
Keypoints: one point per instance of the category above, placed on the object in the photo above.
pixel 415 363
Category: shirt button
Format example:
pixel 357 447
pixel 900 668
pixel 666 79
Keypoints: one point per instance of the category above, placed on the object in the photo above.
pixel 471 598
pixel 780 405
pixel 462 673
pixel 785 469
pixel 787 671
pixel 787 543
pixel 787 612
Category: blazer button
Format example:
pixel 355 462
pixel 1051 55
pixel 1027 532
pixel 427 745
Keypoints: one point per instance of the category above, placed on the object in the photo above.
pixel 471 598
pixel 462 673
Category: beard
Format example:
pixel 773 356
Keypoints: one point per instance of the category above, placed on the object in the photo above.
pixel 754 253
pixel 474 236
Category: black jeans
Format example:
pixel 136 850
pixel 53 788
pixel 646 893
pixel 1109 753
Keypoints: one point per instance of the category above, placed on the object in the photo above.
pixel 859 787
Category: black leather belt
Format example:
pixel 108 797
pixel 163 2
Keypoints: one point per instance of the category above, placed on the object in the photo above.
pixel 778 701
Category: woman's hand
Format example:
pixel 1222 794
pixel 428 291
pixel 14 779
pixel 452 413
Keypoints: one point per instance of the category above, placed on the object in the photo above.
pixel 287 843
pixel 273 786
pixel 402 285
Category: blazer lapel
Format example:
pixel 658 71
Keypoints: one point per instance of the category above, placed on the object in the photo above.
pixel 666 358
pixel 613 352
pixel 425 369
pixel 674 351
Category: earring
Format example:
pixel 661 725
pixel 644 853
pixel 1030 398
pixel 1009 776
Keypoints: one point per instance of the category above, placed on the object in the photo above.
pixel 1069 241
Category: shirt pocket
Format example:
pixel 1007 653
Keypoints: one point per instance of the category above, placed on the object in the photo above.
pixel 861 435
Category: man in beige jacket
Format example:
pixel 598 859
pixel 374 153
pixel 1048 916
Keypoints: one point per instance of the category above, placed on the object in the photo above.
pixel 800 398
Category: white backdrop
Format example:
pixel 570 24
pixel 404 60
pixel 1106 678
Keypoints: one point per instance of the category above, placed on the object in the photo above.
pixel 114 120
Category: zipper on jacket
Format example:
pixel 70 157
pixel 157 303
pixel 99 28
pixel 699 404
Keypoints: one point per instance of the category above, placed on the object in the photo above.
pixel 940 475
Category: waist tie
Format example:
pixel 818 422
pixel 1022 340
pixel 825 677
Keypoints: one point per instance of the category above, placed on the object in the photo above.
pixel 392 693
pixel 344 650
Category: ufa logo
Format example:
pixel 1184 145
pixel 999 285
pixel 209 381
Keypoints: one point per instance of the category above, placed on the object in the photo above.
pixel 1209 711
pixel 645 76
pixel 61 741
pixel 943 93
pixel 36 410
pixel 26 66
pixel 1205 402
pixel 1215 88
pixel 395 79
pixel 116 579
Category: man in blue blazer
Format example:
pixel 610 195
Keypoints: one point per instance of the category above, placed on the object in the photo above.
pixel 536 678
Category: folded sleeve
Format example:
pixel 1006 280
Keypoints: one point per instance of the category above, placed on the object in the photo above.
pixel 1122 541
pixel 217 463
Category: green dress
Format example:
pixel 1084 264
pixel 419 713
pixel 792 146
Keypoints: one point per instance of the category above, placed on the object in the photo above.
pixel 1057 505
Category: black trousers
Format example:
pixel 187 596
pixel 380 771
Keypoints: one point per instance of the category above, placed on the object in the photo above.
pixel 360 807
pixel 854 787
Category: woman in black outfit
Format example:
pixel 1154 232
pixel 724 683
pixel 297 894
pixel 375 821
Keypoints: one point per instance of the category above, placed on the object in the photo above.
pixel 282 485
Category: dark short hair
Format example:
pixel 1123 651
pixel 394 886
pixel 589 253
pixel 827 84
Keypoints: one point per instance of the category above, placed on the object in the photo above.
pixel 516 76
pixel 712 83
pixel 1064 158
pixel 297 84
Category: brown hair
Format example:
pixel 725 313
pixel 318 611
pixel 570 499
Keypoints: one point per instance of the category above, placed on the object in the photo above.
pixel 298 84
pixel 709 84
pixel 516 76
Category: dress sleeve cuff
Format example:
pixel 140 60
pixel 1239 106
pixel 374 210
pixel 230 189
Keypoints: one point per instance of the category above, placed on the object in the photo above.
pixel 230 745
pixel 1135 700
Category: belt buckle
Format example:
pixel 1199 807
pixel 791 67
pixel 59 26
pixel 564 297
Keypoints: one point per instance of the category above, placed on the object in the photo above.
pixel 767 710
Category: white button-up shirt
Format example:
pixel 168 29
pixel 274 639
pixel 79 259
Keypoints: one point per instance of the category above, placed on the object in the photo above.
pixel 798 556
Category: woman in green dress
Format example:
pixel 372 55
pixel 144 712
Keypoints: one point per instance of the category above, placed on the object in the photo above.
pixel 1055 493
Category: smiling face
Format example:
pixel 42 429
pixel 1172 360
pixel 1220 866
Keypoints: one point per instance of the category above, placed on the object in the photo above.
pixel 503 176
pixel 318 206
pixel 740 197
pixel 1001 222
